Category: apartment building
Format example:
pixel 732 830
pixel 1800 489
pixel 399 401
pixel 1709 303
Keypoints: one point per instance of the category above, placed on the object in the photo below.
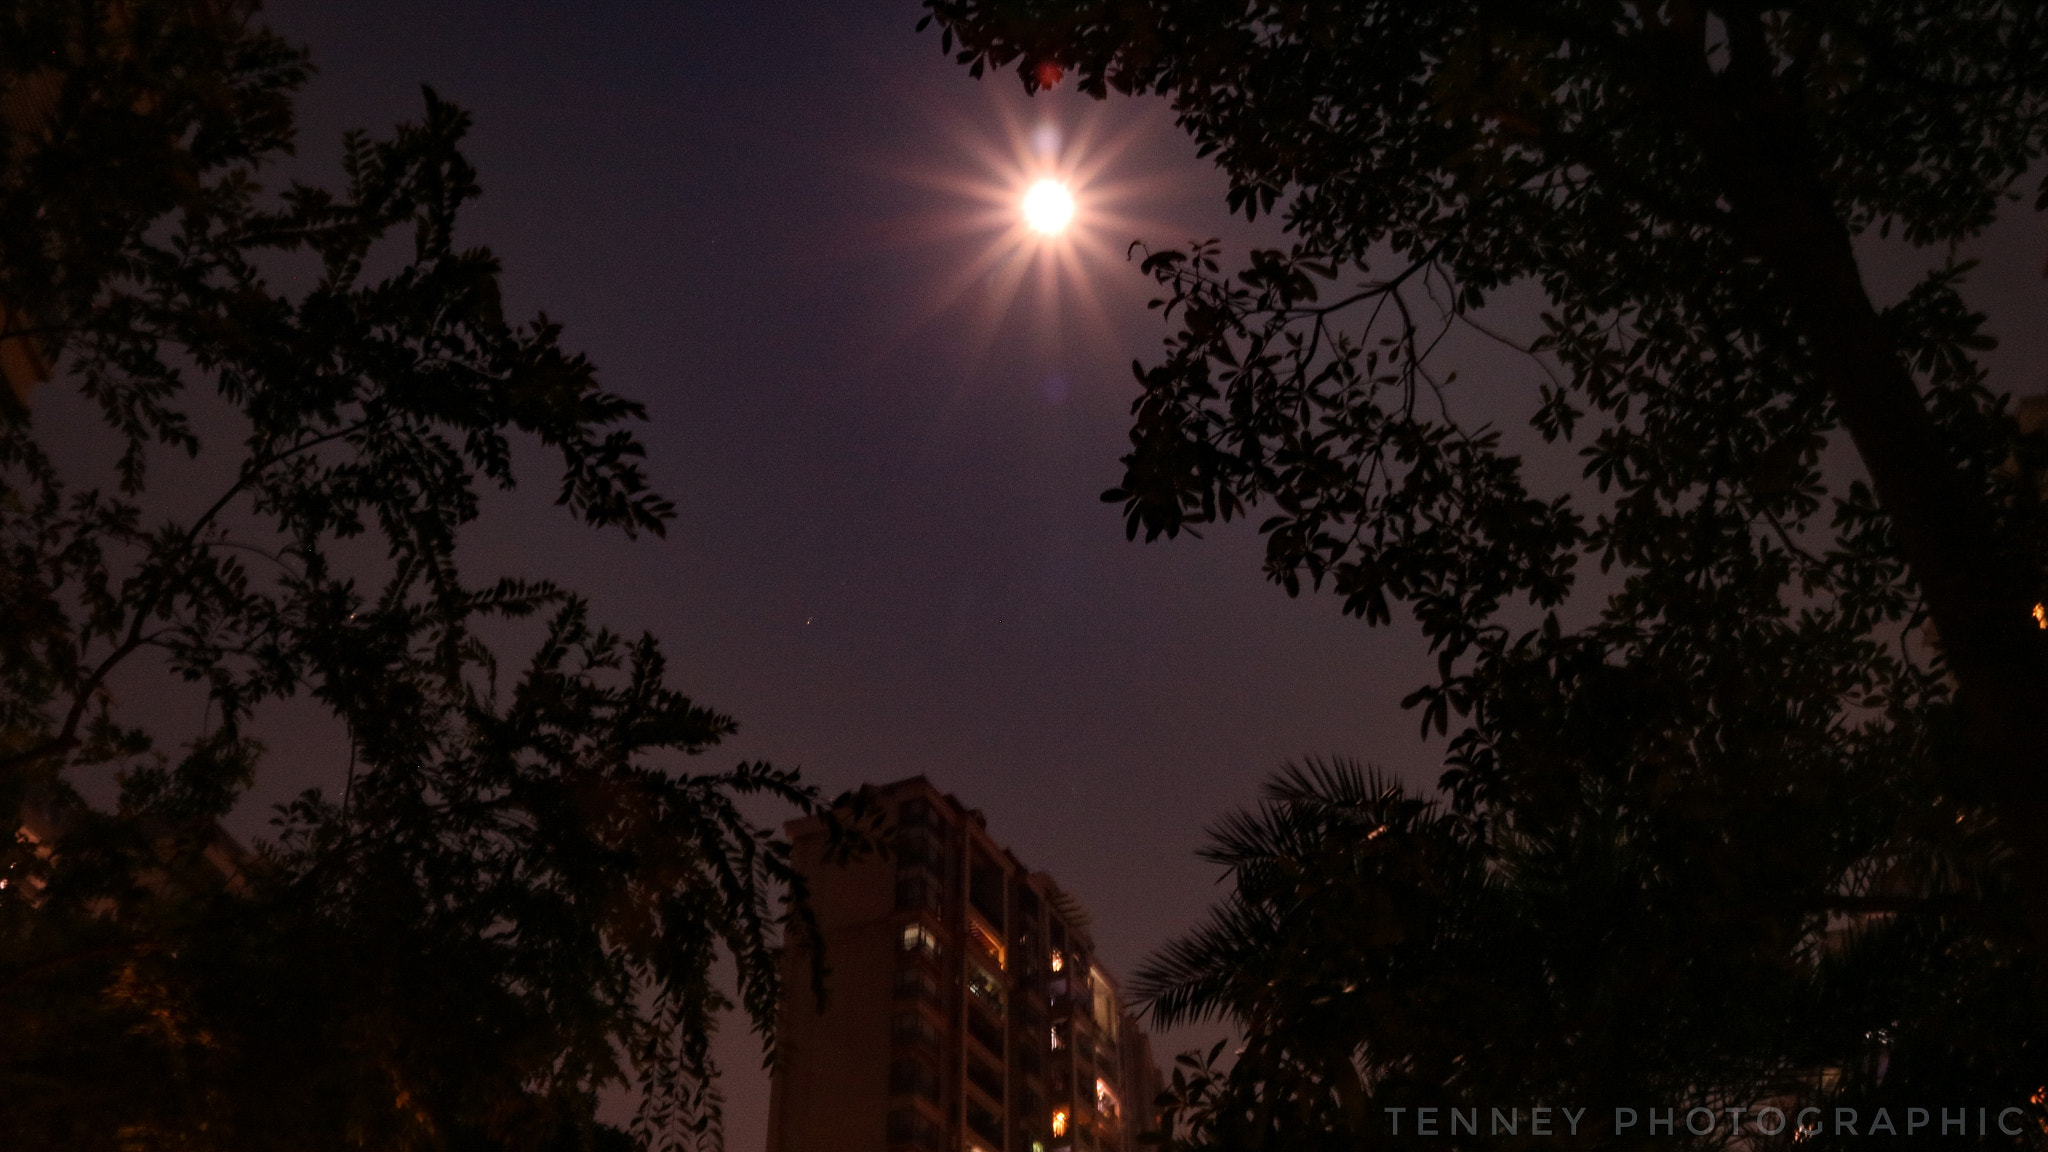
pixel 966 1011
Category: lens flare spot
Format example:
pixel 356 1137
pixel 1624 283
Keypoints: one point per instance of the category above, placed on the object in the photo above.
pixel 1048 207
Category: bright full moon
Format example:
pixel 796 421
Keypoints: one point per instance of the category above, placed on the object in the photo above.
pixel 1048 206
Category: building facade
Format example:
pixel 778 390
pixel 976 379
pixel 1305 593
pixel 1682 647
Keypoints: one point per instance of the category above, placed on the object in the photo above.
pixel 965 1009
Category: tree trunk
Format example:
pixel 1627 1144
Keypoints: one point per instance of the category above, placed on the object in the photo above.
pixel 1980 599
pixel 1750 123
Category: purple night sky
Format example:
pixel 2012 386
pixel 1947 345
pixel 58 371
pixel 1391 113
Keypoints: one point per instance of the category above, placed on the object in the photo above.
pixel 890 556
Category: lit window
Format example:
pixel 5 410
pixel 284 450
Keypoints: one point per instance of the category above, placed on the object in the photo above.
pixel 1105 1003
pixel 1105 1100
pixel 918 938
pixel 1059 959
pixel 986 987
pixel 1057 1043
pixel 1059 1123
pixel 988 942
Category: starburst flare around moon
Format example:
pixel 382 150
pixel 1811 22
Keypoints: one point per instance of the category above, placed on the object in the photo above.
pixel 1048 207
pixel 1051 205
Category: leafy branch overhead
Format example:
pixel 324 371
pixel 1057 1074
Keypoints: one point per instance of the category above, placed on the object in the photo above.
pixel 1731 574
pixel 1684 185
pixel 518 898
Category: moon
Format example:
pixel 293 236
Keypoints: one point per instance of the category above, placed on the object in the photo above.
pixel 1048 207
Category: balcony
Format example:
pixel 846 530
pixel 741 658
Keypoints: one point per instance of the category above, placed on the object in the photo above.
pixel 914 1031
pixel 916 892
pixel 987 989
pixel 917 984
pixel 920 940
pixel 985 1078
pixel 985 941
pixel 913 1078
pixel 985 891
pixel 986 1033
pixel 985 1124
pixel 909 1128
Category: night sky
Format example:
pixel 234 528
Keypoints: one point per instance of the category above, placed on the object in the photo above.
pixel 886 437
pixel 768 223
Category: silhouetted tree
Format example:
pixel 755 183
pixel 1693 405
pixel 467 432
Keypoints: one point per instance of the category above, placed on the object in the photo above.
pixel 1723 813
pixel 1685 183
pixel 1378 951
pixel 518 900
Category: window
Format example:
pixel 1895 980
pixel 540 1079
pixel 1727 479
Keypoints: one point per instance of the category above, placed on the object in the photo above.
pixel 1059 1123
pixel 1105 1004
pixel 988 1035
pixel 909 1126
pixel 1059 960
pixel 917 984
pixel 916 893
pixel 918 938
pixel 986 986
pixel 985 1078
pixel 985 890
pixel 1059 1035
pixel 985 1124
pixel 1024 1010
pixel 1102 1053
pixel 985 939
pixel 914 1030
pixel 914 1077
pixel 1105 1100
pixel 918 852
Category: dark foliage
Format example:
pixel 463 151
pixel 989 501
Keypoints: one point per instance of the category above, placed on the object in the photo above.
pixel 1681 951
pixel 519 900
pixel 1745 749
